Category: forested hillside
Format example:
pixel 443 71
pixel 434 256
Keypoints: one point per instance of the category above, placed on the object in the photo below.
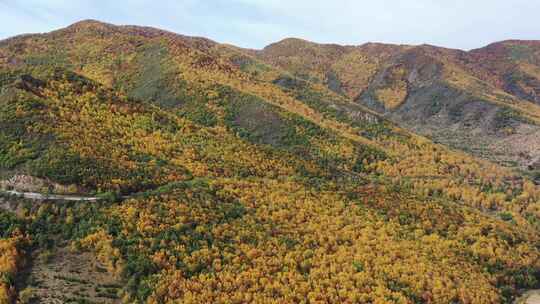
pixel 239 176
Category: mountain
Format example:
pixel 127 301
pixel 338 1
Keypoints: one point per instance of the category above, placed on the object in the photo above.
pixel 220 174
pixel 484 102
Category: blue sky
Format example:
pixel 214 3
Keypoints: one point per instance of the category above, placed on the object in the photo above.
pixel 461 24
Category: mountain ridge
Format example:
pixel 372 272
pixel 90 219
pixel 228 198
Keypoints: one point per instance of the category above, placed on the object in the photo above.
pixel 353 71
pixel 96 22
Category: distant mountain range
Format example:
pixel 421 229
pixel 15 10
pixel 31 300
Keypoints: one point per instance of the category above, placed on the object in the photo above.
pixel 485 101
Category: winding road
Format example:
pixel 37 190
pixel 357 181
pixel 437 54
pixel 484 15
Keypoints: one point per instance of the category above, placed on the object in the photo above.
pixel 39 196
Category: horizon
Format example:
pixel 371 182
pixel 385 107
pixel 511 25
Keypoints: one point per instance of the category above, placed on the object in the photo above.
pixel 255 24
pixel 270 43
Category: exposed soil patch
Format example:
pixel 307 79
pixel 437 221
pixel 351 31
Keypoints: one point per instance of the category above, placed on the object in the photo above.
pixel 530 297
pixel 63 276
pixel 26 183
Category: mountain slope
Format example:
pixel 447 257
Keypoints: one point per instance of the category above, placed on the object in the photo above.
pixel 248 183
pixel 512 66
pixel 484 102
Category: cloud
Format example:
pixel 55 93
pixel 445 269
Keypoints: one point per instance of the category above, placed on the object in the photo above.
pixel 255 23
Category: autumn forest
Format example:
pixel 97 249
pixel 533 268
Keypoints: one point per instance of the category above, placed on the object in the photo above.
pixel 300 173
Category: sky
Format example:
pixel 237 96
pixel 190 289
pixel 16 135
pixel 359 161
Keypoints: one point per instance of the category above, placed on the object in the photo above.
pixel 463 24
